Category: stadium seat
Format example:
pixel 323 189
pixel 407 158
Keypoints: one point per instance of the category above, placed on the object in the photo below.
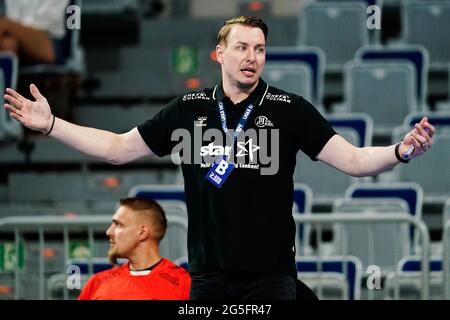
pixel 416 54
pixel 430 170
pixel 410 192
pixel 294 78
pixel 303 197
pixel 158 192
pixel 378 89
pixel 119 120
pixel 73 61
pixel 381 244
pixel 406 282
pixel 313 57
pixel 437 119
pixel 355 128
pixel 341 276
pixel 338 28
pixel 426 23
pixel 446 212
pixel 9 128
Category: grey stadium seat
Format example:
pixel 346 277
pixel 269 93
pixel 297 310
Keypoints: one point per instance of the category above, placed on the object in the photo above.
pixel 385 91
pixel 355 128
pixel 313 57
pixel 430 170
pixel 293 78
pixel 428 23
pixel 381 244
pixel 337 28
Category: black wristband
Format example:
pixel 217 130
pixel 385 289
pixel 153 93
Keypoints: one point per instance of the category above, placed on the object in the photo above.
pixel 397 155
pixel 51 128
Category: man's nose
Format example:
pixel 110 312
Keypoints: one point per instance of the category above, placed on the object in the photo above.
pixel 251 55
pixel 109 232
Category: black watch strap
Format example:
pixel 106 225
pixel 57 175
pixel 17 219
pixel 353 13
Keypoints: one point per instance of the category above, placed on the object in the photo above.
pixel 397 155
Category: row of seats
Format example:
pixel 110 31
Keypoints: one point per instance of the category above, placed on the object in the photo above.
pixel 391 246
pixel 378 79
pixel 54 187
pixel 390 243
pixel 380 197
pixel 341 28
pixel 429 171
pixel 338 29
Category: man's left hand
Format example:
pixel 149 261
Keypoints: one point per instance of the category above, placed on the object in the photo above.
pixel 421 137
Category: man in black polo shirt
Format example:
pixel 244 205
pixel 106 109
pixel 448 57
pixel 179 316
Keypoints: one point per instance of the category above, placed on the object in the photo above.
pixel 238 143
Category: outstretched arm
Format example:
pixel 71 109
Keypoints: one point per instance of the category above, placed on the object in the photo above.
pixel 370 161
pixel 102 145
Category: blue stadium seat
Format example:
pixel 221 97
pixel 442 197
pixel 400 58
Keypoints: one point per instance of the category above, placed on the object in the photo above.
pixel 437 119
pixel 313 57
pixel 303 197
pixel 9 128
pixel 416 54
pixel 356 128
pixel 360 122
pixel 348 266
pixel 411 192
pixel 413 263
pixel 294 78
pixel 406 282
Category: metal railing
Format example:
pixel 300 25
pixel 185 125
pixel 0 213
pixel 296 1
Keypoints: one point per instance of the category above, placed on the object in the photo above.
pixel 446 256
pixel 41 224
pixel 347 218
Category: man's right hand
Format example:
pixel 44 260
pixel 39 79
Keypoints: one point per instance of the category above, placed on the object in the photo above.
pixel 35 115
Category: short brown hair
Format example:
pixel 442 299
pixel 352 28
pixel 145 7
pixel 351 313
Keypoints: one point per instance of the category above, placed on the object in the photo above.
pixel 151 208
pixel 254 22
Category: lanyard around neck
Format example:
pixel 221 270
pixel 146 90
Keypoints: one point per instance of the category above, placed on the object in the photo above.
pixel 241 123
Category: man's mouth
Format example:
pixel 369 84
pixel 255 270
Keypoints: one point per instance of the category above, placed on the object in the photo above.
pixel 248 71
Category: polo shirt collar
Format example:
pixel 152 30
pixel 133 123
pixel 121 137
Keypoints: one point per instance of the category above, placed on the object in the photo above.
pixel 254 98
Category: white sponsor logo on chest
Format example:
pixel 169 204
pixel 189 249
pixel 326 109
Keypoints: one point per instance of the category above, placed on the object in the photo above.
pixel 195 96
pixel 278 97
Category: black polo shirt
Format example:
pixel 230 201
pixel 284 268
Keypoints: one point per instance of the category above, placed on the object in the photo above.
pixel 247 224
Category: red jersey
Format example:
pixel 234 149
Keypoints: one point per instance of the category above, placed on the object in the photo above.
pixel 166 281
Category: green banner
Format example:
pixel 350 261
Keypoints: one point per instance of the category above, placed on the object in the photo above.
pixel 79 249
pixel 184 60
pixel 10 259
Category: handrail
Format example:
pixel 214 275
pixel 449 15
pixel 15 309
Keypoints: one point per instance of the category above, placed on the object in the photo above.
pixel 64 222
pixel 339 217
pixel 446 254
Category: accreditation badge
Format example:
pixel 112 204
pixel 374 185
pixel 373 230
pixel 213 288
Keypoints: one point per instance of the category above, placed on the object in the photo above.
pixel 220 171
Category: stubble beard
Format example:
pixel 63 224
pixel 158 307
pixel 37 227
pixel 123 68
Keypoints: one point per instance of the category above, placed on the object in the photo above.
pixel 113 256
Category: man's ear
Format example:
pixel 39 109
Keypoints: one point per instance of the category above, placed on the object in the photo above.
pixel 219 53
pixel 144 231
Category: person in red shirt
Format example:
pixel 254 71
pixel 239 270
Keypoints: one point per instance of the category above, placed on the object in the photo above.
pixel 135 233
